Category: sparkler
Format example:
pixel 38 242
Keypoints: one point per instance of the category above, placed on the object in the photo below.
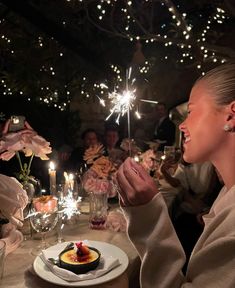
pixel 68 202
pixel 123 102
pixel 70 206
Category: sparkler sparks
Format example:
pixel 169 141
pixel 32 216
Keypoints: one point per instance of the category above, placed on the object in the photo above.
pixel 70 205
pixel 122 103
pixel 102 102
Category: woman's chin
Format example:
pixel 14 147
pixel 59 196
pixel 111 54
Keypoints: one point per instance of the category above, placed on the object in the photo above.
pixel 193 158
pixel 188 157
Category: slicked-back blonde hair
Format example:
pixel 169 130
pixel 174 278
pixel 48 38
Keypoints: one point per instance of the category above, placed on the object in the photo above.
pixel 221 81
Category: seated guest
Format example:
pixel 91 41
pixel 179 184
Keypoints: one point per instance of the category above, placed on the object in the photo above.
pixel 89 138
pixel 164 132
pixel 111 138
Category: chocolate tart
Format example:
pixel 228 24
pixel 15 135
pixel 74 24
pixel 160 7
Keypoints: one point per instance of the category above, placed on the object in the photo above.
pixel 68 260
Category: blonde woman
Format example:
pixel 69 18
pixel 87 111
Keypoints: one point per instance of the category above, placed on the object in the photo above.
pixel 209 135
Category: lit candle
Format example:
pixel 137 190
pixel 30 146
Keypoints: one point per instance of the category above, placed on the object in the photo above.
pixel 52 175
pixel 71 182
pixel 66 184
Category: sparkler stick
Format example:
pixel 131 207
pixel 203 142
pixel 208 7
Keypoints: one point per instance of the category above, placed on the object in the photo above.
pixel 128 76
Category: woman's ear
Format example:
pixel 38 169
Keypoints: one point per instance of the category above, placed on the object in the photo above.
pixel 230 123
pixel 232 105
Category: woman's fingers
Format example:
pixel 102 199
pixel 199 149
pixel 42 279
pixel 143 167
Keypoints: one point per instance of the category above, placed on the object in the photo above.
pixel 124 186
pixel 137 187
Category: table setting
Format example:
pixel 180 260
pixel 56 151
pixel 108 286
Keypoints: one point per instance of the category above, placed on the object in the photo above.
pixel 24 266
pixel 82 207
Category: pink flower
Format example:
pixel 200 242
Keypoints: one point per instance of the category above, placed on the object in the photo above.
pixel 7 155
pixel 26 140
pixel 90 184
pixel 99 186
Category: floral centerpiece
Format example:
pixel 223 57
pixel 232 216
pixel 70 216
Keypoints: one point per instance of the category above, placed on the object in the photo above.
pixel 100 175
pixel 25 141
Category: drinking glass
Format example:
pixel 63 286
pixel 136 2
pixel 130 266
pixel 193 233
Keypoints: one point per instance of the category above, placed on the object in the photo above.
pixel 169 152
pixel 43 218
pixel 171 158
pixel 98 209
pixel 60 224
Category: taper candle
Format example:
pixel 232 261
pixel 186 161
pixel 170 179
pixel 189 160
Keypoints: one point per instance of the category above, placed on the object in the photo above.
pixel 52 175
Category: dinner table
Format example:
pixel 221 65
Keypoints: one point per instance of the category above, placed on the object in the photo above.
pixel 19 271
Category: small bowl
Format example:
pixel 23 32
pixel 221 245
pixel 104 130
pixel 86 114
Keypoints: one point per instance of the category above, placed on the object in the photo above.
pixel 80 268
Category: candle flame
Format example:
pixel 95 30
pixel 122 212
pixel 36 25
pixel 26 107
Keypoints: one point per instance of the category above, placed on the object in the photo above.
pixel 52 165
pixel 71 176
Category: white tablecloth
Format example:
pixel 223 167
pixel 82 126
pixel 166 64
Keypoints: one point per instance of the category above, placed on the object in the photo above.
pixel 18 265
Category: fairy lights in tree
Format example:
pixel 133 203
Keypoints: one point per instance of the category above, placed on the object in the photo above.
pixel 154 23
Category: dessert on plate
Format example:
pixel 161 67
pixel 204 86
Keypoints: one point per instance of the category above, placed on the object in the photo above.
pixel 80 258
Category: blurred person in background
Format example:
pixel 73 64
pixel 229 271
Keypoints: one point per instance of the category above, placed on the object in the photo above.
pixel 164 132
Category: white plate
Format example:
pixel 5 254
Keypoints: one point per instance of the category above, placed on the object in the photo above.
pixel 106 250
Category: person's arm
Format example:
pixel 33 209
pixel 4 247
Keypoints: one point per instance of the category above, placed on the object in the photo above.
pixel 162 256
pixel 151 231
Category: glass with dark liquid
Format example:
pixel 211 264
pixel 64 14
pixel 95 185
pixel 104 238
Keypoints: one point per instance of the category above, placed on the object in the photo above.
pixel 98 209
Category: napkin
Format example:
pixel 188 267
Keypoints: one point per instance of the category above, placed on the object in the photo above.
pixel 116 221
pixel 13 200
pixel 11 236
pixel 106 264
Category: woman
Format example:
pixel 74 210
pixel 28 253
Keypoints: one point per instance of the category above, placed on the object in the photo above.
pixel 209 135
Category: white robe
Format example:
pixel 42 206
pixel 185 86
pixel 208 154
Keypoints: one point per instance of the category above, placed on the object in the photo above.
pixel 212 263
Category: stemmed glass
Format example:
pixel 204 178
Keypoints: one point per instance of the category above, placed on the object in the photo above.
pixel 171 157
pixel 169 152
pixel 43 218
pixel 60 196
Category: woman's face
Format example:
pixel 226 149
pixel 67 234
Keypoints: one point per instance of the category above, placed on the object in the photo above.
pixel 203 127
pixel 90 139
pixel 111 138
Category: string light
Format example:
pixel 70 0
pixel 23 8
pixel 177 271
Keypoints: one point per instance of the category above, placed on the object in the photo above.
pixel 183 30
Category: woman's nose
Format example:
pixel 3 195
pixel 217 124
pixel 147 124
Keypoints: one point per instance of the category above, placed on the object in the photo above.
pixel 182 126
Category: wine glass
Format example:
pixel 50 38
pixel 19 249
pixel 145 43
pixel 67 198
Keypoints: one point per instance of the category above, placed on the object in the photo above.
pixel 43 218
pixel 171 158
pixel 169 152
pixel 60 196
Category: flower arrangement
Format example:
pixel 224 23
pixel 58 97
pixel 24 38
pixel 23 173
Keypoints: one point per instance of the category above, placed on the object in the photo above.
pixel 26 141
pixel 101 172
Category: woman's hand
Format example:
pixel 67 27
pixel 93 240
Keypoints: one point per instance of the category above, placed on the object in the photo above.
pixel 136 186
